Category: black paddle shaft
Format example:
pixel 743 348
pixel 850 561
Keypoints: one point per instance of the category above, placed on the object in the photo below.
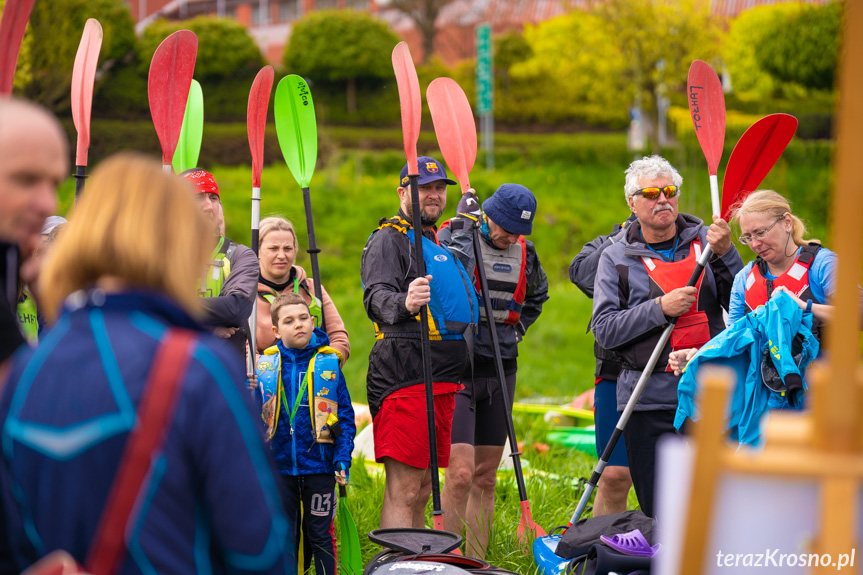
pixel 636 393
pixel 313 252
pixel 498 366
pixel 416 218
pixel 80 175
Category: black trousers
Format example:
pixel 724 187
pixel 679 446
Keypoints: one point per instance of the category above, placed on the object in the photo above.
pixel 316 496
pixel 641 434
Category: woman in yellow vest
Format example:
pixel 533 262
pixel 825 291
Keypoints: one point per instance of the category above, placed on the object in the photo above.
pixel 277 253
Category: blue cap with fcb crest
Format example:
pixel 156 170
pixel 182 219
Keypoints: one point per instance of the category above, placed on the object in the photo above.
pixel 430 171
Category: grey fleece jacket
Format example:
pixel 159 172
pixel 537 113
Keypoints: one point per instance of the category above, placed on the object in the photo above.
pixel 627 319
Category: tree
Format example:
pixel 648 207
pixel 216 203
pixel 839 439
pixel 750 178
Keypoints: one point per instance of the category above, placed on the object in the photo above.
pixel 803 46
pixel 658 41
pixel 225 49
pixel 509 49
pixel 341 46
pixel 573 72
pixel 55 30
pixel 424 14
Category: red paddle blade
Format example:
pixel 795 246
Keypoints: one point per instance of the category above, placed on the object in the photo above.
pixel 171 73
pixel 12 27
pixel 83 76
pixel 410 99
pixel 454 126
pixel 707 107
pixel 256 119
pixel 754 156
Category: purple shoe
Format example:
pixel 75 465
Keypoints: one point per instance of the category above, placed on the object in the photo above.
pixel 632 543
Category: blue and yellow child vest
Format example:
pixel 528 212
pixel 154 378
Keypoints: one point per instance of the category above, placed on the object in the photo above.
pixel 218 270
pixel 453 308
pixel 321 389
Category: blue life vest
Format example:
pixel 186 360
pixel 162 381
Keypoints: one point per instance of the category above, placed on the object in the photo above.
pixel 453 308
pixel 321 389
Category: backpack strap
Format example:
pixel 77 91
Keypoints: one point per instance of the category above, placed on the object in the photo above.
pixel 155 412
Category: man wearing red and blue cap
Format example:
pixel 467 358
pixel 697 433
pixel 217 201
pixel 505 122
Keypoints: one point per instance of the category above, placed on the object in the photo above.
pixel 393 295
pixel 229 286
pixel 517 288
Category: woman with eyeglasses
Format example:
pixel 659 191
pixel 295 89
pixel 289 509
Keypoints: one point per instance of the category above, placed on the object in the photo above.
pixel 786 262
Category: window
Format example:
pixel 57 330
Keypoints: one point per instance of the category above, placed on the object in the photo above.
pixel 326 4
pixel 288 10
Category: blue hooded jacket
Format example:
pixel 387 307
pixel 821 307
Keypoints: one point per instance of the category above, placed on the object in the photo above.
pixel 772 326
pixel 211 504
pixel 295 450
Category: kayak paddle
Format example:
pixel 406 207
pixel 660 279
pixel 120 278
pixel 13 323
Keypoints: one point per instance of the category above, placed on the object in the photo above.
pixel 297 131
pixel 191 132
pixel 410 101
pixel 13 24
pixel 83 77
pixel 707 108
pixel 455 129
pixel 256 126
pixel 168 85
pixel 351 559
pixel 766 139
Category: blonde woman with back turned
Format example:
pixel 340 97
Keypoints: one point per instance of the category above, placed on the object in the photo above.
pixel 120 278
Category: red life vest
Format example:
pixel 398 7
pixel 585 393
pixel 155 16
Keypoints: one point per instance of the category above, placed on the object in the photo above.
pixel 692 328
pixel 796 279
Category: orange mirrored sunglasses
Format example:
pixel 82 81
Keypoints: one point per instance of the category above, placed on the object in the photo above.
pixel 653 193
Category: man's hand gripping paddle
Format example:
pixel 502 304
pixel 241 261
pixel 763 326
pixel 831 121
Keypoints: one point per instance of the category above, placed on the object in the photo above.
pixel 168 85
pixel 256 126
pixel 192 132
pixel 455 129
pixel 410 100
pixel 83 77
pixel 13 24
pixel 707 108
pixel 298 138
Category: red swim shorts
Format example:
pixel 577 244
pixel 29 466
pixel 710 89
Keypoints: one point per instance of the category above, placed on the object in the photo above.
pixel 401 426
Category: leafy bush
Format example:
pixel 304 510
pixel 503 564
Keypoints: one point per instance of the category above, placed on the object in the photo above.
pixel 342 46
pixel 803 46
pixel 225 49
pixel 784 51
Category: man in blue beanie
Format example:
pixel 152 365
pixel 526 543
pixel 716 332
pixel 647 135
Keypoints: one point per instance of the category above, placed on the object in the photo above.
pixel 517 287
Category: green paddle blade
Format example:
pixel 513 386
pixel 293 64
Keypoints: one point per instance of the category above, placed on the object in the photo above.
pixel 192 132
pixel 296 127
pixel 351 561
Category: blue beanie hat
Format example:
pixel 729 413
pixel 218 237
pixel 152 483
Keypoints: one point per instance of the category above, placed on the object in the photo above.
pixel 512 207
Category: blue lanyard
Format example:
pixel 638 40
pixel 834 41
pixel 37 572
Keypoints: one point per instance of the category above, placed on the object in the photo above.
pixel 667 255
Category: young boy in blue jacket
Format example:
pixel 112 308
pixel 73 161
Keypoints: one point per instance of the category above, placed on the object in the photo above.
pixel 306 404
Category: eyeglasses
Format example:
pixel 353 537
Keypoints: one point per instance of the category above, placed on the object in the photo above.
pixel 746 239
pixel 653 193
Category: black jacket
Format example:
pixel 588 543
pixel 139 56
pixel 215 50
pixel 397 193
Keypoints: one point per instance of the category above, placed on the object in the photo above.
pixel 387 269
pixel 582 272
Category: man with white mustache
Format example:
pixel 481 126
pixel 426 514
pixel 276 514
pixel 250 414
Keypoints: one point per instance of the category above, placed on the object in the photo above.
pixel 640 285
